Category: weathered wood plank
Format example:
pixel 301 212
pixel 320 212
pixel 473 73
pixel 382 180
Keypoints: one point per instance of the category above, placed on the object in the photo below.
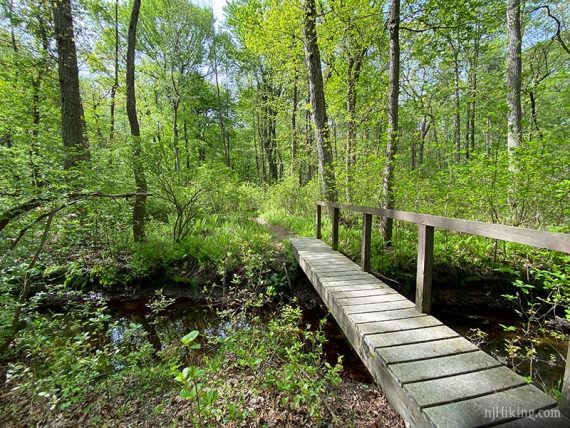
pixel 335 225
pixel 423 351
pixel 377 307
pixel 352 287
pixel 424 268
pixel 536 238
pixel 398 325
pixel 385 340
pixel 385 316
pixel 362 293
pixel 489 409
pixel 332 283
pixel 343 275
pixel 318 222
pixel 365 242
pixel 417 376
pixel 464 386
pixel 383 298
pixel 442 367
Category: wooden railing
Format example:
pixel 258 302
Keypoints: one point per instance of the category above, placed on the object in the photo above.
pixel 426 226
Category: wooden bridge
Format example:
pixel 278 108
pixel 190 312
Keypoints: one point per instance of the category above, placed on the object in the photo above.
pixel 429 373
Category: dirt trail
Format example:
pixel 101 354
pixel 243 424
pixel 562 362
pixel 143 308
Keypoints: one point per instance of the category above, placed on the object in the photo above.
pixel 278 232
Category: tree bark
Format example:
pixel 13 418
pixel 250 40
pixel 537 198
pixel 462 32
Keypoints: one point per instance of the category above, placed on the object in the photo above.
pixel 73 130
pixel 392 144
pixel 352 77
pixel 294 124
pixel 533 113
pixel 457 99
pixel 223 136
pixel 317 95
pixel 115 76
pixel 176 137
pixel 186 144
pixel 514 67
pixel 138 167
pixel 36 100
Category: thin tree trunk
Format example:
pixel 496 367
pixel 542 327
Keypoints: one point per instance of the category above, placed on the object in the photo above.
pixel 533 113
pixel 457 99
pixel 36 101
pixel 138 167
pixel 424 128
pixel 73 130
pixel 220 107
pixel 471 102
pixel 97 119
pixel 467 130
pixel 12 29
pixel 392 143
pixel 115 75
pixel 175 134
pixel 25 291
pixel 514 67
pixel 294 124
pixel 353 75
pixel 186 144
pixel 317 95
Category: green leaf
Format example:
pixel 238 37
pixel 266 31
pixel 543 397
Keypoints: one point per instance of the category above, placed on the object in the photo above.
pixel 190 337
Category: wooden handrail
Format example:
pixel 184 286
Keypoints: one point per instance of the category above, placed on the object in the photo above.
pixel 426 227
pixel 535 238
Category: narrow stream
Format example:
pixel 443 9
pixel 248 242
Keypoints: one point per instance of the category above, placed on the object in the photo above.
pixel 185 315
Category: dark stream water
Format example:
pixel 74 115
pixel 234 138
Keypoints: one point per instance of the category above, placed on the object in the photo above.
pixel 185 315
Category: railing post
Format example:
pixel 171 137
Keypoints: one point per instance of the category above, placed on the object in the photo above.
pixel 365 242
pixel 565 393
pixel 318 230
pixel 335 221
pixel 424 272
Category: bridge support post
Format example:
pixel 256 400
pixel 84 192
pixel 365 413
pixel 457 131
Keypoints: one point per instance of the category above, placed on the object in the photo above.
pixel 318 229
pixel 365 242
pixel 335 221
pixel 424 272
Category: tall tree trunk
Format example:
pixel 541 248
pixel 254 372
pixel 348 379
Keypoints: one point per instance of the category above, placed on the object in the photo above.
pixel 424 128
pixel 514 67
pixel 269 139
pixel 317 95
pixel 36 100
pixel 457 99
pixel 138 167
pixel 115 75
pixel 97 119
pixel 392 144
pixel 176 137
pixel 294 124
pixel 186 144
pixel 533 113
pixel 221 119
pixel 352 77
pixel 11 18
pixel 73 131
pixel 471 102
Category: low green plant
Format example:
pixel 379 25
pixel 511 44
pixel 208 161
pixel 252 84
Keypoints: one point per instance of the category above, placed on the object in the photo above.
pixel 255 355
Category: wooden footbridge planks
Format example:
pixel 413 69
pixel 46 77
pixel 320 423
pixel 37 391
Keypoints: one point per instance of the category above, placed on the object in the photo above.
pixel 429 373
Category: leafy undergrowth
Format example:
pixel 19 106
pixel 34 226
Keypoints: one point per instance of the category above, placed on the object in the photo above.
pixel 246 370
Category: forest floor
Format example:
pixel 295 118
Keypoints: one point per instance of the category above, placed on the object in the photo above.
pixel 352 403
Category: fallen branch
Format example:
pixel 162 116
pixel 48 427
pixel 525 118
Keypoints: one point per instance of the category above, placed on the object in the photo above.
pixel 19 210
